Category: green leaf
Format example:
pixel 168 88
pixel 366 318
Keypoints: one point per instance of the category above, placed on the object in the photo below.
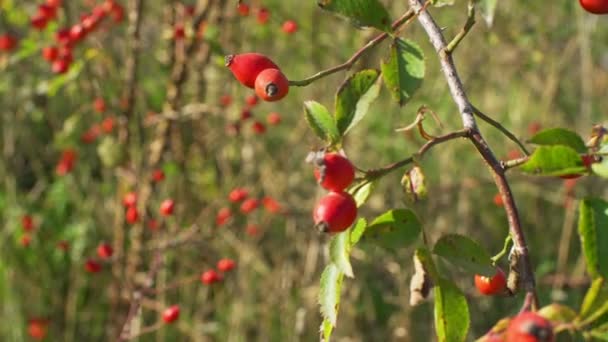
pixel 426 259
pixel 451 312
pixel 441 3
pixel 554 161
pixel 558 313
pixel 487 9
pixel 466 253
pixel 339 252
pixel 326 329
pixel 360 12
pixel 321 122
pixel 593 232
pixel 601 168
pixel 354 98
pixel 329 293
pixel 404 70
pixel 596 295
pixel 362 193
pixel 395 228
pixel 560 136
pixel 357 231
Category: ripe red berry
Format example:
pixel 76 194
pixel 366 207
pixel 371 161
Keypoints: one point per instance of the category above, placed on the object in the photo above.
pixel 226 265
pixel 129 199
pixel 171 314
pixel 39 22
pixel 60 66
pixel 243 9
pixel 158 175
pixel 179 32
pixel 152 224
pixel 246 114
pixel 222 217
pixel 498 200
pixel 105 251
pixel 335 212
pixel 225 100
pixel 107 125
pixel 50 53
pixel 290 26
pixel 99 105
pixel 92 266
pixel 263 16
pixel 529 327
pixel 493 285
pixel 273 118
pixel 47 11
pixel 251 100
pixel 210 277
pixel 77 33
pixel 247 66
pixel 271 205
pixel 252 230
pixel 37 328
pixel 534 127
pixel 132 215
pixel 27 223
pixel 238 195
pixel 249 205
pixel 167 207
pixel 7 42
pixel 271 85
pixel 258 128
pixel 595 6
pixel 25 240
pixel 334 172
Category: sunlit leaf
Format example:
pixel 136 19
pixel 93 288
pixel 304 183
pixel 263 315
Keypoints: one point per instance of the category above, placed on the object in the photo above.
pixel 466 253
pixel 360 12
pixel 404 70
pixel 554 161
pixel 321 122
pixel 451 312
pixel 354 98
pixel 560 136
pixel 593 233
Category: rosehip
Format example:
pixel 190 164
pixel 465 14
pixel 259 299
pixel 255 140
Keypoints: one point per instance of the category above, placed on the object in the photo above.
pixel 171 314
pixel 246 114
pixel 251 100
pixel 273 119
pixel 105 251
pixel 179 32
pixel 226 265
pixel 271 205
pixel 252 230
pixel 222 217
pixel 335 172
pixel 77 32
pixel 210 277
pixel 25 240
pixel 132 215
pixel 152 224
pixel 534 127
pixel 99 105
pixel 243 9
pixel 290 27
pixel 249 205
pixel 258 128
pixel 263 16
pixel 47 11
pixel 529 327
pixel 271 85
pixel 158 175
pixel 107 125
pixel 92 266
pixel 167 207
pixel 50 53
pixel 595 6
pixel 225 100
pixel 27 223
pixel 37 328
pixel 498 200
pixel 129 199
pixel 247 66
pixel 493 285
pixel 237 195
pixel 335 212
pixel 60 66
pixel 39 21
pixel 7 42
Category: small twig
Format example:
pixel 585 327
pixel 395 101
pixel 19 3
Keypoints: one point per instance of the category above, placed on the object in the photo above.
pixel 501 128
pixel 504 251
pixel 465 29
pixel 349 63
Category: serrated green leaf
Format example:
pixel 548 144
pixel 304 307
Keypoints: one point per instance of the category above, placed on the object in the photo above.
pixel 339 252
pixel 466 253
pixel 560 136
pixel 329 293
pixel 395 228
pixel 321 122
pixel 357 231
pixel 360 12
pixel 354 98
pixel 554 161
pixel 404 70
pixel 361 195
pixel 593 233
pixel 487 9
pixel 595 296
pixel 451 312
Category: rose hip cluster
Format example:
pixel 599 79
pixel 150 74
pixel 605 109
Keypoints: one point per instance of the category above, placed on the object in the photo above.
pixel 263 16
pixel 106 126
pixel 60 55
pixel 337 210
pixel 246 205
pixel 258 127
pixel 258 72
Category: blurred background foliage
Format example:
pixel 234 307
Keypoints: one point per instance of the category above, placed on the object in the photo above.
pixel 541 63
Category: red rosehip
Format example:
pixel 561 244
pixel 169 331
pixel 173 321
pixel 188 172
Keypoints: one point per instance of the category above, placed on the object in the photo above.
pixel 63 37
pixel 222 217
pixel 210 277
pixel 129 199
pixel 243 9
pixel 7 42
pixel 226 265
pixel 179 32
pixel 92 266
pixel 271 205
pixel 171 314
pixel 39 22
pixel 54 3
pixel 249 205
pixel 247 66
pixel 246 114
pixel 335 212
pixel 529 327
pixel 263 16
pixel 50 53
pixel 105 251
pixel 335 172
pixel 290 26
pixel 132 215
pixel 251 100
pixel 534 127
pixel 158 175
pixel 273 118
pixel 117 13
pixel 498 200
pixel 167 207
pixel 60 66
pixel 493 285
pixel 47 11
pixel 238 195
pixel 77 32
pixel 107 124
pixel 152 224
pixel 65 54
pixel 595 6
pixel 99 105
pixel 258 128
pixel 252 229
pixel 271 85
pixel 37 328
pixel 27 223
pixel 25 240
pixel 225 100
